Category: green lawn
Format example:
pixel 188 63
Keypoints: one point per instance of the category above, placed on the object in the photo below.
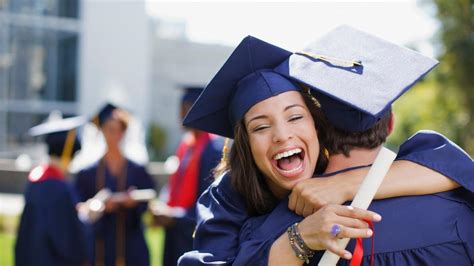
pixel 154 237
pixel 6 248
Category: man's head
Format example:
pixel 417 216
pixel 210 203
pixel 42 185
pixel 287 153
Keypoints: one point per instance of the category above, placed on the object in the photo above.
pixel 190 95
pixel 339 141
pixel 113 122
pixel 60 136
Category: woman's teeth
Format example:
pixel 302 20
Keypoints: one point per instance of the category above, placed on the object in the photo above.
pixel 287 154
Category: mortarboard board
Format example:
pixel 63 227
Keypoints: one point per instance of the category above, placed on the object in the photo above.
pixel 191 94
pixel 356 76
pixel 244 80
pixel 60 136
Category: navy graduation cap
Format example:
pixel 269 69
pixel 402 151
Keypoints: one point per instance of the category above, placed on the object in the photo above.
pixel 244 80
pixel 356 76
pixel 191 94
pixel 60 136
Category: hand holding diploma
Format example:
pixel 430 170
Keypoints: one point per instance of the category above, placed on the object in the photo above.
pixel 106 201
pixel 164 215
pixel 365 195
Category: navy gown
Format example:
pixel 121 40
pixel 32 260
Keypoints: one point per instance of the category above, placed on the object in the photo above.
pixel 226 235
pixel 50 232
pixel 420 230
pixel 178 238
pixel 120 234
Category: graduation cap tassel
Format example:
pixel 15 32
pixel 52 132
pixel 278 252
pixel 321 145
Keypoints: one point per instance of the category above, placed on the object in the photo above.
pixel 225 151
pixel 67 149
pixel 332 60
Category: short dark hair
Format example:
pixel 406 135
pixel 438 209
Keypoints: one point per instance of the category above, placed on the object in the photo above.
pixel 57 141
pixel 122 116
pixel 248 180
pixel 339 141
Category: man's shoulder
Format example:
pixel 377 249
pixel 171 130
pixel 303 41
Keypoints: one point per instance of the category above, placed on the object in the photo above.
pixel 433 150
pixel 424 206
pixel 429 140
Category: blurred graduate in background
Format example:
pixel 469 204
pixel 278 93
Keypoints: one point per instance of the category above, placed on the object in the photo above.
pixel 118 236
pixel 50 232
pixel 198 154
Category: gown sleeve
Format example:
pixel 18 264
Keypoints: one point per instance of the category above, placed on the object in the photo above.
pixel 435 151
pixel 221 213
pixel 259 233
pixel 142 180
pixel 209 160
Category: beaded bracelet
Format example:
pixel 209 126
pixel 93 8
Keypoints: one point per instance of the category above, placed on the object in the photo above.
pixel 302 251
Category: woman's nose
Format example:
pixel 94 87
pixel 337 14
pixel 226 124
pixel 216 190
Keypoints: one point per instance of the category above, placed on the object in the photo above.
pixel 282 133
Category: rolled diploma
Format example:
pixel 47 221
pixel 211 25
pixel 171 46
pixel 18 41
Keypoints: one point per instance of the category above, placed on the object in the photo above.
pixel 364 196
pixel 96 205
pixel 140 195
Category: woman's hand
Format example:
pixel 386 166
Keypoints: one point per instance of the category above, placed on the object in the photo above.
pixel 318 232
pixel 162 214
pixel 128 202
pixel 308 196
pixel 111 206
pixel 318 229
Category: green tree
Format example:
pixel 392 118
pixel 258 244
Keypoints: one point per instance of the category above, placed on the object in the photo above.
pixel 157 140
pixel 424 107
pixel 455 75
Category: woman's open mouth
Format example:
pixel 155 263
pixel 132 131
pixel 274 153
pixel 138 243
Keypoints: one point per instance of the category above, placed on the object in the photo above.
pixel 289 163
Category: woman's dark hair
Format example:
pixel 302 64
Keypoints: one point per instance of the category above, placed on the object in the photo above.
pixel 247 179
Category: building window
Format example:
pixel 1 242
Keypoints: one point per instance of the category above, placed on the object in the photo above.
pixel 38 63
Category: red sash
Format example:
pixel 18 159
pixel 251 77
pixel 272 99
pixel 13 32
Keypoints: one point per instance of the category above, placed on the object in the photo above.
pixel 45 172
pixel 359 249
pixel 184 182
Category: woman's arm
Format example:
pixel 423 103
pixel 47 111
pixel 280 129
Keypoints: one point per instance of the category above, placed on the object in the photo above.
pixel 427 163
pixel 220 215
pixel 404 178
pixel 408 178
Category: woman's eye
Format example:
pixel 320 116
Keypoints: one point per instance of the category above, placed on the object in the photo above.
pixel 295 117
pixel 259 128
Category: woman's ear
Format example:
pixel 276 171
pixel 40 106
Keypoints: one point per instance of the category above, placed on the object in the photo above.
pixel 391 123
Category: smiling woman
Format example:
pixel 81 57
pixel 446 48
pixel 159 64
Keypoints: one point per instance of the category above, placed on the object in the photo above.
pixel 276 145
pixel 283 140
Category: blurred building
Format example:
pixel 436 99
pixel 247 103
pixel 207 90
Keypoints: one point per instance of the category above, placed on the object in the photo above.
pixel 178 63
pixel 38 64
pixel 72 55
